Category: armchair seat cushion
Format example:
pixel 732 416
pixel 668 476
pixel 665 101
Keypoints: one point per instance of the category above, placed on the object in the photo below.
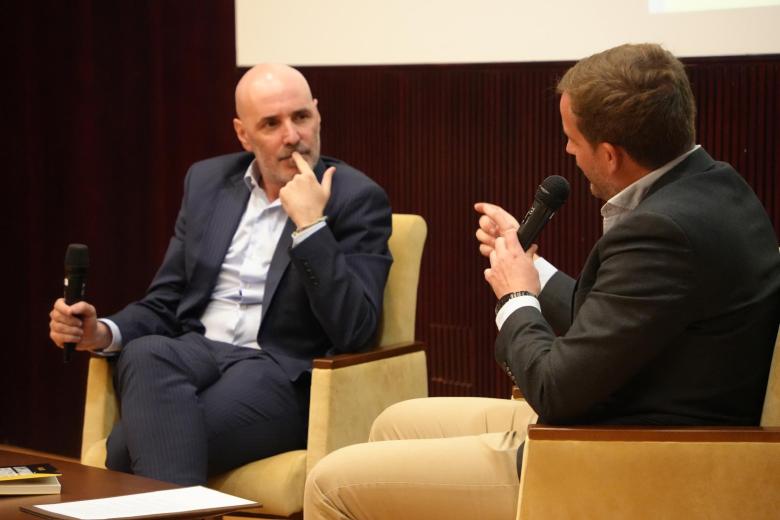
pixel 95 454
pixel 276 482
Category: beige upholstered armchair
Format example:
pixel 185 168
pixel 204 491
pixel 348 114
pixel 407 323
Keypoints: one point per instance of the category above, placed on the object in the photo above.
pixel 650 473
pixel 347 391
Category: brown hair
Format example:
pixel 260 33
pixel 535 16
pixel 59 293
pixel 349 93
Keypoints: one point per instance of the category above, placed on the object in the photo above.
pixel 637 97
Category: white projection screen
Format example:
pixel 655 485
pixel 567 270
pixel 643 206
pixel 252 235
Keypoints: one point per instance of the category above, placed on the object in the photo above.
pixel 376 32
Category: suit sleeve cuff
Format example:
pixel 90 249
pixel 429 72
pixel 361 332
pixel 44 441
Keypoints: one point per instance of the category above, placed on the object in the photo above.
pixel 309 231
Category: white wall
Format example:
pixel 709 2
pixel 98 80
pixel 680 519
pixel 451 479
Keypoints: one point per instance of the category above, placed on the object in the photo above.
pixel 341 32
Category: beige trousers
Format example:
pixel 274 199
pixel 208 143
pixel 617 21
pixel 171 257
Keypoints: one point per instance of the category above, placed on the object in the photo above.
pixel 436 458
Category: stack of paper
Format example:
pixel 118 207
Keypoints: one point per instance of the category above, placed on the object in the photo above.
pixel 190 502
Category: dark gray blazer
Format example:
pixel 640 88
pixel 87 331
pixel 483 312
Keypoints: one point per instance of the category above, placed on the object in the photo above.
pixel 323 296
pixel 673 318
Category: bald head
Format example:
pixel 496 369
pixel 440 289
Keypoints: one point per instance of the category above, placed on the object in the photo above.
pixel 267 79
pixel 276 116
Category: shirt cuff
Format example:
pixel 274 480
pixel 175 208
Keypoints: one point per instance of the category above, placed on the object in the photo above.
pixel 514 304
pixel 116 337
pixel 303 235
pixel 546 271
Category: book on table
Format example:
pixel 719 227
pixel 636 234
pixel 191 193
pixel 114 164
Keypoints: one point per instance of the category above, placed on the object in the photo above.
pixel 33 479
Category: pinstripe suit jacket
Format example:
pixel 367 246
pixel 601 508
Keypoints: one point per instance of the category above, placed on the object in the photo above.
pixel 325 295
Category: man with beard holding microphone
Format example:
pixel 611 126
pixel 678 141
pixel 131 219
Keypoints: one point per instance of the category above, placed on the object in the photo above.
pixel 671 322
pixel 279 256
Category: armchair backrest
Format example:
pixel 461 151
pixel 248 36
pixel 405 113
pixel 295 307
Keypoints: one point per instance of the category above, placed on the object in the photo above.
pixel 400 300
pixel 345 399
pixel 771 413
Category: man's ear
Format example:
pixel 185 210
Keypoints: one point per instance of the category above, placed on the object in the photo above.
pixel 238 126
pixel 611 157
pixel 317 110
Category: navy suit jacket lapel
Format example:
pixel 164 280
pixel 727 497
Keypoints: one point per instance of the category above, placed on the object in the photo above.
pixel 229 205
pixel 281 258
pixel 279 263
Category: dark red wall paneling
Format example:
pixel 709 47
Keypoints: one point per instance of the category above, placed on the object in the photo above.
pixel 105 104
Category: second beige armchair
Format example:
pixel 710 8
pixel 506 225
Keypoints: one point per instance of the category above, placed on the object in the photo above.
pixel 648 473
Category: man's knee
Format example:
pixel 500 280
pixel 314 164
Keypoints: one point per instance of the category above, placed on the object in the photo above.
pixel 143 349
pixel 139 359
pixel 318 479
pixel 117 455
pixel 428 418
pixel 330 475
pixel 394 422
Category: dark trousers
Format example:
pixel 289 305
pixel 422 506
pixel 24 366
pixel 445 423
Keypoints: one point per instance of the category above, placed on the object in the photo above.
pixel 192 407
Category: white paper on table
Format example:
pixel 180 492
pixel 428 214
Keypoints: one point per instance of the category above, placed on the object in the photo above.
pixel 180 500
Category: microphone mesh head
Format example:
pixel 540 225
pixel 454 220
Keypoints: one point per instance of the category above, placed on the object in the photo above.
pixel 77 256
pixel 553 191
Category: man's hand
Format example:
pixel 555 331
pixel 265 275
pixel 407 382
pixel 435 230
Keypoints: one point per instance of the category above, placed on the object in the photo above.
pixel 512 269
pixel 303 197
pixel 494 222
pixel 77 324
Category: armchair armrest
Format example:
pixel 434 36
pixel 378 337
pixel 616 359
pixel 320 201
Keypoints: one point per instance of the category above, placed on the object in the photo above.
pixel 100 411
pixel 348 391
pixel 356 358
pixel 544 432
pixel 637 472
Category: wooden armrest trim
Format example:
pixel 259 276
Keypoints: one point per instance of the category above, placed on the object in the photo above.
pixel 542 432
pixel 384 352
pixel 517 393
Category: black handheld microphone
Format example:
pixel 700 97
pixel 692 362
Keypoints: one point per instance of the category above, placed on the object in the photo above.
pixel 550 196
pixel 76 265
